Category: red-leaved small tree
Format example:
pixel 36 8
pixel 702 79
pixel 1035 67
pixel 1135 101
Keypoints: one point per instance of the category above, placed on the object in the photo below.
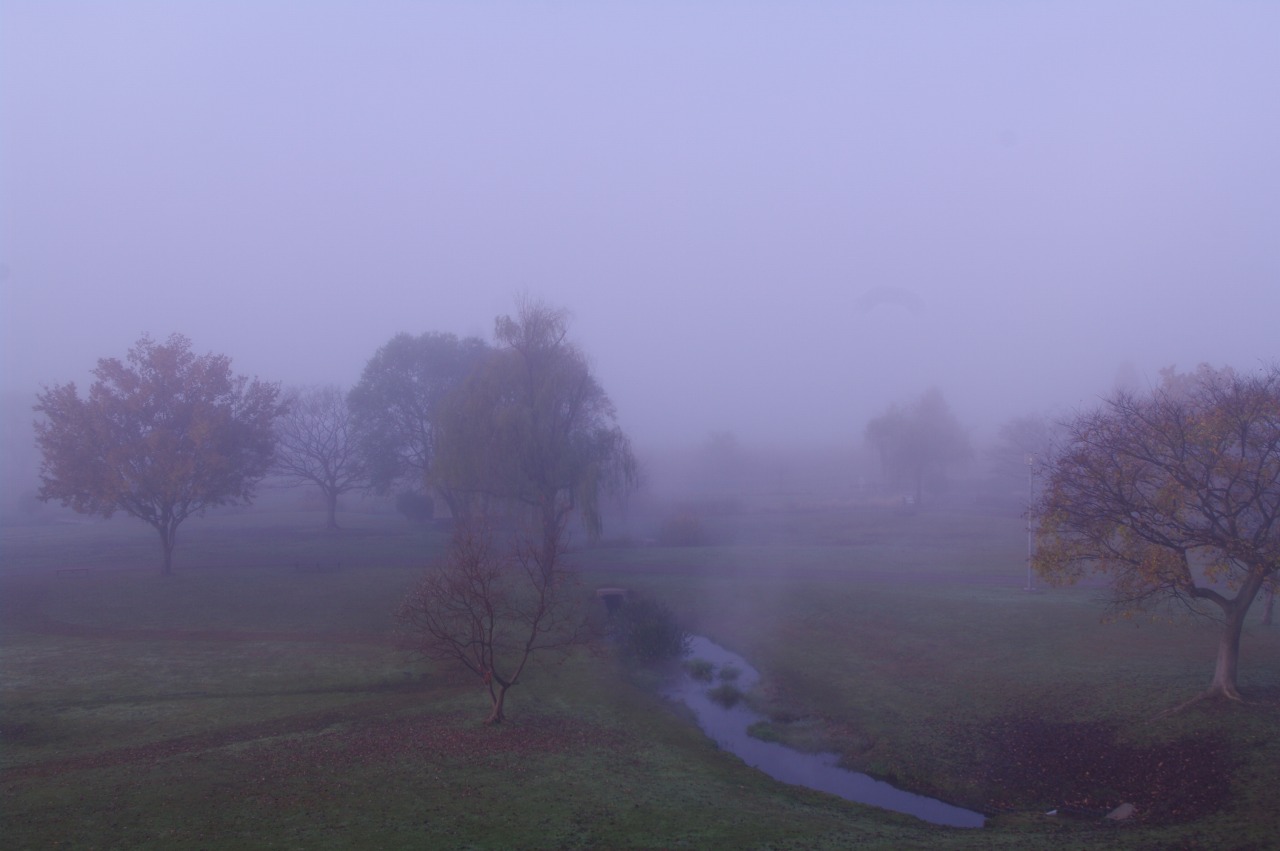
pixel 491 606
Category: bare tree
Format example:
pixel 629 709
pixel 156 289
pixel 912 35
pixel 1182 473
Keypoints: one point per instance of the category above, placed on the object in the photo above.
pixel 1022 442
pixel 1176 496
pixel 492 606
pixel 318 444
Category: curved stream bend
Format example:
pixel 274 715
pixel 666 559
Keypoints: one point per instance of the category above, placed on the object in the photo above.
pixel 727 726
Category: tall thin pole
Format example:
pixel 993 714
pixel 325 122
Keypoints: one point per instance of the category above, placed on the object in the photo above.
pixel 1031 491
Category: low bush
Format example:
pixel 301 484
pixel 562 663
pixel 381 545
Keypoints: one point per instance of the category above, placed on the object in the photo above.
pixel 418 507
pixel 683 530
pixel 647 632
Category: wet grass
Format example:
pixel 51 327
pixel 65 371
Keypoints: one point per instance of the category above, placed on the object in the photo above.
pixel 907 667
pixel 246 703
pixel 241 538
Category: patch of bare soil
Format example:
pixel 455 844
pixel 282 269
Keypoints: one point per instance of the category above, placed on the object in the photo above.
pixel 1084 769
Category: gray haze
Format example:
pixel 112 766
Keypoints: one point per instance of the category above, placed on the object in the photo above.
pixel 770 218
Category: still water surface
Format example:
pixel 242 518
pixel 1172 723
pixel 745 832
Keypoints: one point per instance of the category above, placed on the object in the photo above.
pixel 727 726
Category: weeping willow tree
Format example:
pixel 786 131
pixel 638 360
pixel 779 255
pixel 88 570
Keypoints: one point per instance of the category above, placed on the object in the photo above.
pixel 527 443
pixel 532 433
pixel 1175 495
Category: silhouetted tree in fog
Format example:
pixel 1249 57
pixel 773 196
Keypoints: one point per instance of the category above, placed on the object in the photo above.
pixel 1175 495
pixel 1021 454
pixel 318 444
pixel 918 439
pixel 1024 441
pixel 397 404
pixel 162 436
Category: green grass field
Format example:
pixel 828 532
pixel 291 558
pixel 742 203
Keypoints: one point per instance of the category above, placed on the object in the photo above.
pixel 260 698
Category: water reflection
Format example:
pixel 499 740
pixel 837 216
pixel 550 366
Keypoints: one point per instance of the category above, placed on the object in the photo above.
pixel 727 726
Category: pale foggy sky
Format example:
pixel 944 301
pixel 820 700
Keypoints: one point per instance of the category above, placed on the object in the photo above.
pixel 771 218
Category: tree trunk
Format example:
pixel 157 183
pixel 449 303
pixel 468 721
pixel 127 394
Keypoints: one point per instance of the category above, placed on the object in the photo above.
pixel 460 505
pixel 168 537
pixel 1224 672
pixel 496 716
pixel 331 505
pixel 552 525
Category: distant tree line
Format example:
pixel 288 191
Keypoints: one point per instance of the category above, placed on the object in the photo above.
pixel 517 438
pixel 1175 494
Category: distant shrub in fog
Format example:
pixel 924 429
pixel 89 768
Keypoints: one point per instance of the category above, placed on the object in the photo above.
pixel 683 530
pixel 417 507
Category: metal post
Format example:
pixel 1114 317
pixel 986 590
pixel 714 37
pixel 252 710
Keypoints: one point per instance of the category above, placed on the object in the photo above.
pixel 1031 491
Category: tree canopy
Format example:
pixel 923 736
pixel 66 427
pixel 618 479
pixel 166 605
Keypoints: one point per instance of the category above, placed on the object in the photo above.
pixel 533 427
pixel 161 436
pixel 398 401
pixel 1175 495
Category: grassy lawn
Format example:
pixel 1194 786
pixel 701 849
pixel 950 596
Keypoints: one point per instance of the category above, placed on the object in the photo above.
pixel 259 698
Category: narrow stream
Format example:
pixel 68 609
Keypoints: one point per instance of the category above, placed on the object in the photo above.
pixel 727 726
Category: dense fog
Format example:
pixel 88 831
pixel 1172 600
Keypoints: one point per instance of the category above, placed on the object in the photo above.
pixel 770 221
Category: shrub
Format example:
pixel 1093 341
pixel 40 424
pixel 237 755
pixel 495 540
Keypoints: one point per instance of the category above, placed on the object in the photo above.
pixel 418 507
pixel 683 530
pixel 647 633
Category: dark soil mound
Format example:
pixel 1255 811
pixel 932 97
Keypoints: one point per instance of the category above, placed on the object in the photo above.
pixel 1083 768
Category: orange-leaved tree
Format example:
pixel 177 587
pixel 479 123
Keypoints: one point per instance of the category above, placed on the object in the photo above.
pixel 1175 495
pixel 161 436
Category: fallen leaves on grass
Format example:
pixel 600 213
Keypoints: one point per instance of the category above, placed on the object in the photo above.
pixel 1084 767
pixel 349 737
